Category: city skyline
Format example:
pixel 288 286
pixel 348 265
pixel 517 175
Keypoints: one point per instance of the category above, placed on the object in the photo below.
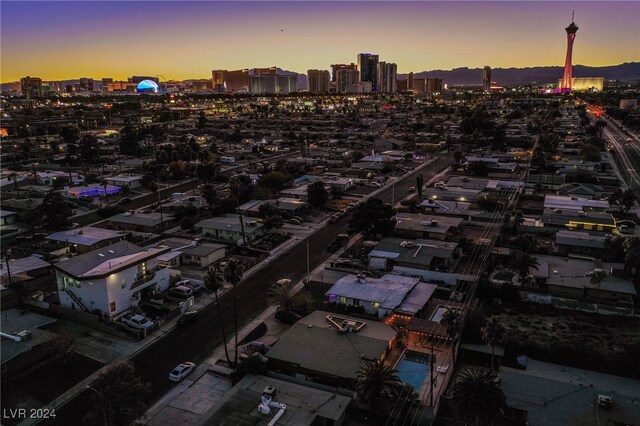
pixel 186 40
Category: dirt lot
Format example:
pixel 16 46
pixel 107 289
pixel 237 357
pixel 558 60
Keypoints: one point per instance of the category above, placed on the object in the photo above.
pixel 602 343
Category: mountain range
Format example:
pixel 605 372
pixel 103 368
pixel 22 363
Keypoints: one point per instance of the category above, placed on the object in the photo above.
pixel 539 75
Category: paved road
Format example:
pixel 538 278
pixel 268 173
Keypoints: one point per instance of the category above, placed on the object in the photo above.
pixel 627 149
pixel 196 342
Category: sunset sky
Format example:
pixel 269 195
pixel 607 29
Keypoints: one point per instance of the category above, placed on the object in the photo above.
pixel 183 39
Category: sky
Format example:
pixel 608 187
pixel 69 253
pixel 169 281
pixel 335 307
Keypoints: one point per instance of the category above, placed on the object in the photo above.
pixel 177 40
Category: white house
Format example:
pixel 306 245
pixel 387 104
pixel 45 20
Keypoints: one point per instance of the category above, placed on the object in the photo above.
pixel 48 177
pixel 130 180
pixel 111 279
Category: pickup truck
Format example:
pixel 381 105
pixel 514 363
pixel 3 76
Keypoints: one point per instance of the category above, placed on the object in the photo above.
pixel 137 321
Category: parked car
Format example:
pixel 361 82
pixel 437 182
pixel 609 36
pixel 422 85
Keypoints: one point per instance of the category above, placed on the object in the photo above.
pixel 188 317
pixel 440 185
pixel 196 287
pixel 123 201
pixel 181 292
pixel 182 283
pixel 287 317
pixel 182 371
pixel 257 347
pixel 138 322
pixel 293 221
pixel 72 205
pixel 374 185
pixel 334 218
pixel 412 189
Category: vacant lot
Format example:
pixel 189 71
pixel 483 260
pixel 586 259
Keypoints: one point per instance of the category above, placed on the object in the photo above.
pixel 602 343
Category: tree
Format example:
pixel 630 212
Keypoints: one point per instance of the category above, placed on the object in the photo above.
pixel 207 171
pixel 238 187
pixel 590 152
pixel 209 193
pixel 524 262
pixel 600 125
pixel 104 184
pixel 88 149
pixel 120 393
pixel 54 212
pixel 476 396
pixel 419 185
pixel 317 194
pixel 69 134
pixel 273 222
pixel 493 333
pixel 274 181
pixel 233 272
pixel 281 294
pixel 214 281
pixel 376 383
pixel 451 319
pixel 373 217
pixel 623 200
pixel 202 120
pixel 516 219
pixel 458 156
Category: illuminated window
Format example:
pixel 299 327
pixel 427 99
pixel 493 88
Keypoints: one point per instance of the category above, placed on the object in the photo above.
pixel 375 304
pixel 123 283
pixel 343 299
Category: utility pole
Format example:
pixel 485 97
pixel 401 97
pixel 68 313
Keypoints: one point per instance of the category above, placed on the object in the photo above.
pixel 431 371
pixel 307 279
pixel 104 413
pixel 6 255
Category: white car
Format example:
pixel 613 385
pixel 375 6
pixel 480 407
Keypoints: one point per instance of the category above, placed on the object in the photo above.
pixel 182 371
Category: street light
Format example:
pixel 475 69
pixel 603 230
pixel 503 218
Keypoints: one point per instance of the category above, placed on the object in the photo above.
pixel 104 413
pixel 7 254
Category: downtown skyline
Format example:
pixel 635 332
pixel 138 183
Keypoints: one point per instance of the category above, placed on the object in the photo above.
pixel 186 40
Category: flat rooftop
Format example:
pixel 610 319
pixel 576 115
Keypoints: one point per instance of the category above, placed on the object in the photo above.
pixel 15 320
pixel 86 236
pixel 304 404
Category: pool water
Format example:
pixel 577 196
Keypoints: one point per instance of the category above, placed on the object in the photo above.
pixel 413 368
pixel 437 314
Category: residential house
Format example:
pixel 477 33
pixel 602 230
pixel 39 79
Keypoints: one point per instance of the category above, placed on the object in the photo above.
pixel 581 190
pixel 304 405
pixel 7 217
pixel 31 269
pixel 561 202
pixel 154 223
pixel 112 279
pixel 228 228
pixel 329 349
pixel 87 238
pixel 578 220
pixel 585 243
pixel 381 296
pixel 48 177
pixel 130 180
pixel 192 252
pixel 410 225
pixel 419 254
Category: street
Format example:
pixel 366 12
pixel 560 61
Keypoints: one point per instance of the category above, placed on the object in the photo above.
pixel 196 342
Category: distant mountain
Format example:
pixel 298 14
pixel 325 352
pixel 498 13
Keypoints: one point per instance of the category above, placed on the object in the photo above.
pixel 541 75
pixel 302 78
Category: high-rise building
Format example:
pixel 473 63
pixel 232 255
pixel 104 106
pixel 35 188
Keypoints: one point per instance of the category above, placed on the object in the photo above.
pixel 217 80
pixel 105 84
pixel 31 86
pixel 387 75
pixel 427 85
pixel 346 77
pixel 269 70
pixel 86 84
pixel 486 78
pixel 566 83
pixel 410 81
pixel 368 67
pixel 360 87
pixel 318 81
pixel 265 83
pixel 336 67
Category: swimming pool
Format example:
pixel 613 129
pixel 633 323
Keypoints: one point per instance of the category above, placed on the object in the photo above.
pixel 413 368
pixel 437 314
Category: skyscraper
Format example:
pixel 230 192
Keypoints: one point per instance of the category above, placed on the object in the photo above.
pixel 31 86
pixel 318 81
pixel 346 77
pixel 368 67
pixel 387 75
pixel 336 67
pixel 572 29
pixel 230 81
pixel 486 78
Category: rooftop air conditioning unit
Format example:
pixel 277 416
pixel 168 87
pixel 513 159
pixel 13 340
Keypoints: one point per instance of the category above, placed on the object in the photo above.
pixel 24 335
pixel 434 223
pixel 348 323
pixel 270 391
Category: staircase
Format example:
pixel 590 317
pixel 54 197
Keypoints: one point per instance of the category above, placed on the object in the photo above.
pixel 76 299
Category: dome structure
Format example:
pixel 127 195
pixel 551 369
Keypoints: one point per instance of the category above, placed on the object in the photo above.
pixel 147 86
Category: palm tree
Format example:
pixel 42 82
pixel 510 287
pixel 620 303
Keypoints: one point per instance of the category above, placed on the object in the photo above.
pixel 517 219
pixel 477 397
pixel 524 262
pixel 493 333
pixel 632 258
pixel 213 280
pixel 104 184
pixel 233 272
pixel 451 319
pixel 375 383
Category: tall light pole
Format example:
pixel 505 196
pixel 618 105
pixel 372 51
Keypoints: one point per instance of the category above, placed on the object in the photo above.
pixel 104 413
pixel 8 253
pixel 307 279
